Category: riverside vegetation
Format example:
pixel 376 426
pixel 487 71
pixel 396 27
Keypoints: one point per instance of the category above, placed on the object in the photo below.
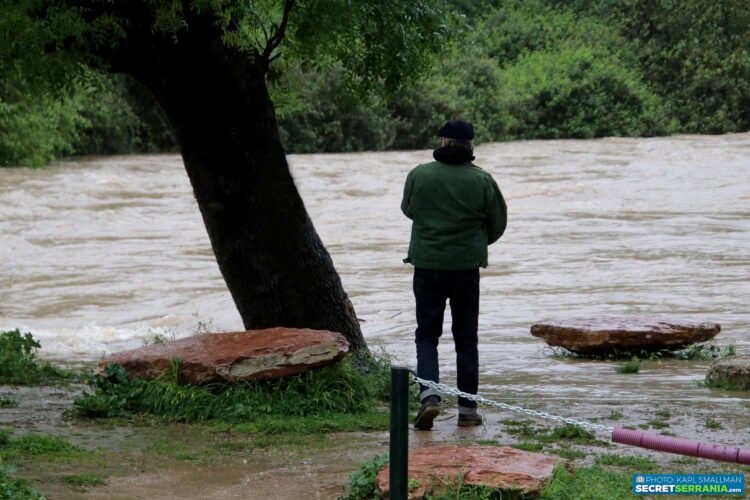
pixel 522 70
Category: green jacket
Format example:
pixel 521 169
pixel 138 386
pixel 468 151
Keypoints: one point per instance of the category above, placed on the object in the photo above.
pixel 457 211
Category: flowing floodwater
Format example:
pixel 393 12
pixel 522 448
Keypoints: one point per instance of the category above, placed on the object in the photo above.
pixel 101 254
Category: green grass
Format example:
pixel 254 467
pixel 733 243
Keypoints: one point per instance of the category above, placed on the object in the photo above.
pixel 12 488
pixel 696 352
pixel 18 364
pixel 663 414
pixel 36 447
pixel 632 366
pixel 525 430
pixel 82 482
pixel 30 449
pixel 573 433
pixel 340 397
pixel 567 432
pixel 639 464
pixel 712 423
pixel 371 420
pixel 589 483
pixel 724 383
pixel 462 491
pixel 488 442
pixel 41 444
pixel 615 415
pixel 659 424
pixel 568 453
pixel 535 447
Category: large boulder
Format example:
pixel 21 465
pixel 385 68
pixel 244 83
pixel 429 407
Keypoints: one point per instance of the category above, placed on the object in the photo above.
pixel 597 336
pixel 433 469
pixel 235 356
pixel 731 373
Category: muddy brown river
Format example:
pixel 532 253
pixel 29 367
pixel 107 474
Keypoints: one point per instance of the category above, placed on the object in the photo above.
pixel 101 254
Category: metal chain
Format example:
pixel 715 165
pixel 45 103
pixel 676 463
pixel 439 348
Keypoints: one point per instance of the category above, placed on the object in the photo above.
pixel 445 389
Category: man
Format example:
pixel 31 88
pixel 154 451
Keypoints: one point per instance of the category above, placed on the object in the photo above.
pixel 457 210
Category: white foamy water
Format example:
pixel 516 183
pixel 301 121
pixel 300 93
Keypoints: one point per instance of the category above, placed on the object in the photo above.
pixel 101 254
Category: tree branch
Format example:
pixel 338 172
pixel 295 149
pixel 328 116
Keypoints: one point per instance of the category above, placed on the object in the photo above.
pixel 278 36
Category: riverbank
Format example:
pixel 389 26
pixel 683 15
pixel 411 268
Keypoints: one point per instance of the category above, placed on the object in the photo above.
pixel 147 458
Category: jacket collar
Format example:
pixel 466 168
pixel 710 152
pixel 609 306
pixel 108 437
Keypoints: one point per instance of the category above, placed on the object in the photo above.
pixel 452 155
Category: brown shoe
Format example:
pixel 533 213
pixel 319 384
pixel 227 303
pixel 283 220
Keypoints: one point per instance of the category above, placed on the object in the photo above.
pixel 469 419
pixel 427 412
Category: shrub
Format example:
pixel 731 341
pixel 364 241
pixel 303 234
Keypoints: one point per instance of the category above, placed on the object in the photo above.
pixel 577 92
pixel 318 112
pixel 33 130
pixel 18 363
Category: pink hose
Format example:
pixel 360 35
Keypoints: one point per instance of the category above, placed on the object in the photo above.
pixel 681 446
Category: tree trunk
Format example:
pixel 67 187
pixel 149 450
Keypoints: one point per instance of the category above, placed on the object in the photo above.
pixel 272 259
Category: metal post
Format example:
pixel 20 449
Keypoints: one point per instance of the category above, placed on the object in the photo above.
pixel 399 453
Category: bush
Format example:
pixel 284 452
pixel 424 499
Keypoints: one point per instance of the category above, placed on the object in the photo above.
pixel 18 363
pixel 576 92
pixel 34 131
pixel 696 57
pixel 317 112
pixel 101 115
pixel 118 116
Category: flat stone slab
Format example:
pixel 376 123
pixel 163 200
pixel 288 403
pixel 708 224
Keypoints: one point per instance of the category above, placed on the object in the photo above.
pixel 235 356
pixel 433 469
pixel 596 336
pixel 733 371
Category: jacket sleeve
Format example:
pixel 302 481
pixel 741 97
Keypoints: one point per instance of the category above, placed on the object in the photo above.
pixel 406 200
pixel 497 213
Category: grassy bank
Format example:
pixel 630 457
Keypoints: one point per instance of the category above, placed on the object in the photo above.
pixel 301 438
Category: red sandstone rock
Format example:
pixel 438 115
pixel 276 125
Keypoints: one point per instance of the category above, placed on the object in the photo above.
pixel 235 356
pixel 605 335
pixel 731 371
pixel 434 468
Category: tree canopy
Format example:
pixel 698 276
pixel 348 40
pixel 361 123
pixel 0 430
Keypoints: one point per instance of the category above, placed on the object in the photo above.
pixel 518 69
pixel 377 43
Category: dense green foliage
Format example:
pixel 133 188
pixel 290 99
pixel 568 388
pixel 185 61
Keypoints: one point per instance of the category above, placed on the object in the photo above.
pixel 321 396
pixel 552 69
pixel 52 48
pixel 518 70
pixel 18 364
pixel 101 115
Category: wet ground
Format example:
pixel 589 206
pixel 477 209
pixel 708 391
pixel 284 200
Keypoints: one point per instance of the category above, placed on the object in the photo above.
pixel 144 459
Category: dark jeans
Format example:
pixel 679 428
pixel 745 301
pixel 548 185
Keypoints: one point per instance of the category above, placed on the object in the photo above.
pixel 432 289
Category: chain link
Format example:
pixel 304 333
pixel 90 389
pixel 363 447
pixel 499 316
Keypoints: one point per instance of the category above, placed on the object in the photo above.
pixel 445 389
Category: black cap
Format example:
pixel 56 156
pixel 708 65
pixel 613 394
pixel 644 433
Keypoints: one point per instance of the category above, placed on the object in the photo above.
pixel 456 129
